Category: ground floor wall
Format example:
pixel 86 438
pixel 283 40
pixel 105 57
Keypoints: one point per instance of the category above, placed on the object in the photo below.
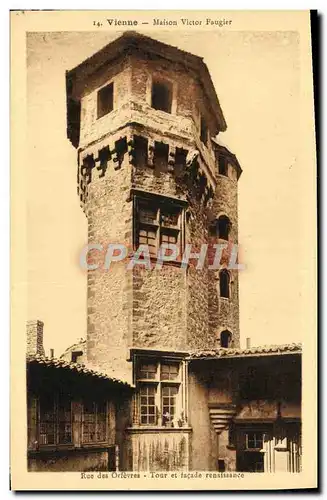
pixel 159 450
pixel 73 460
pixel 203 440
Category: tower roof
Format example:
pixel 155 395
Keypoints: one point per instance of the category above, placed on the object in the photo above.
pixel 131 42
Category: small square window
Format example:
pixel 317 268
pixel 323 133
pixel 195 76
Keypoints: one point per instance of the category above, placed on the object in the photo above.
pixel 77 356
pixel 105 100
pixel 161 98
pixel 254 440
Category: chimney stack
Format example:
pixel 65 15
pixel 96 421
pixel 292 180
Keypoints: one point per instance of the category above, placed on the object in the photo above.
pixel 51 353
pixel 248 343
pixel 35 338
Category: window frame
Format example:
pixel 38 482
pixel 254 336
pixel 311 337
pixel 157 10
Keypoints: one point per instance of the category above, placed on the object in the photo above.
pixel 100 92
pixel 256 441
pixel 159 385
pixel 56 422
pixel 168 84
pixel 58 444
pixel 159 205
pixel 96 423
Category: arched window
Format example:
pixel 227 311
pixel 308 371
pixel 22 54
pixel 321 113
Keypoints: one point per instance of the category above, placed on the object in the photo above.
pixel 225 339
pixel 224 226
pixel 224 281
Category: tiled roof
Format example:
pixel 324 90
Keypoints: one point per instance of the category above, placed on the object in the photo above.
pixel 75 367
pixel 264 350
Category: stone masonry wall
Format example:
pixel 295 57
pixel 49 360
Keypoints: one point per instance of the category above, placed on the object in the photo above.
pixel 172 308
pixel 93 128
pixel 159 308
pixel 197 279
pixel 109 213
pixel 35 338
pixel 224 313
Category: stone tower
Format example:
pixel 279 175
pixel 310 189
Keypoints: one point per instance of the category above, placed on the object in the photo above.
pixel 144 116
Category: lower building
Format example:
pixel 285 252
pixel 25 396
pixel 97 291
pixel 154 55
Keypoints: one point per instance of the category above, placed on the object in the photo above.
pixel 216 410
pixel 72 416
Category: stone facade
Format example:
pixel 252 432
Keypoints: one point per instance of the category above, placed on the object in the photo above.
pixel 138 149
pixel 151 170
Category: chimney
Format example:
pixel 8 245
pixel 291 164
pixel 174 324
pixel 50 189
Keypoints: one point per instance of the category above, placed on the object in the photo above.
pixel 35 338
pixel 51 353
pixel 248 343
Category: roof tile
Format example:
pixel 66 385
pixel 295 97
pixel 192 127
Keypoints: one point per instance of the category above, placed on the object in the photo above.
pixel 75 367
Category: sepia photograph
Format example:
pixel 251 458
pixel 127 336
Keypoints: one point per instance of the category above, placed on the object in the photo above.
pixel 166 196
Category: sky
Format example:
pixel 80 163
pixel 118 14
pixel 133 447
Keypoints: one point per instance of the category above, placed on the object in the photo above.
pixel 257 80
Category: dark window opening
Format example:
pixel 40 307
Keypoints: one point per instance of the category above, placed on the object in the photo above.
pixel 105 100
pixel 162 96
pixel 203 131
pixel 76 356
pixel 224 283
pixel 222 166
pixel 225 339
pixel 161 152
pixel 223 227
pixel 221 465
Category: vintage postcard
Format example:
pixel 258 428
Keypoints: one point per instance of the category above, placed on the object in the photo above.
pixel 163 251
